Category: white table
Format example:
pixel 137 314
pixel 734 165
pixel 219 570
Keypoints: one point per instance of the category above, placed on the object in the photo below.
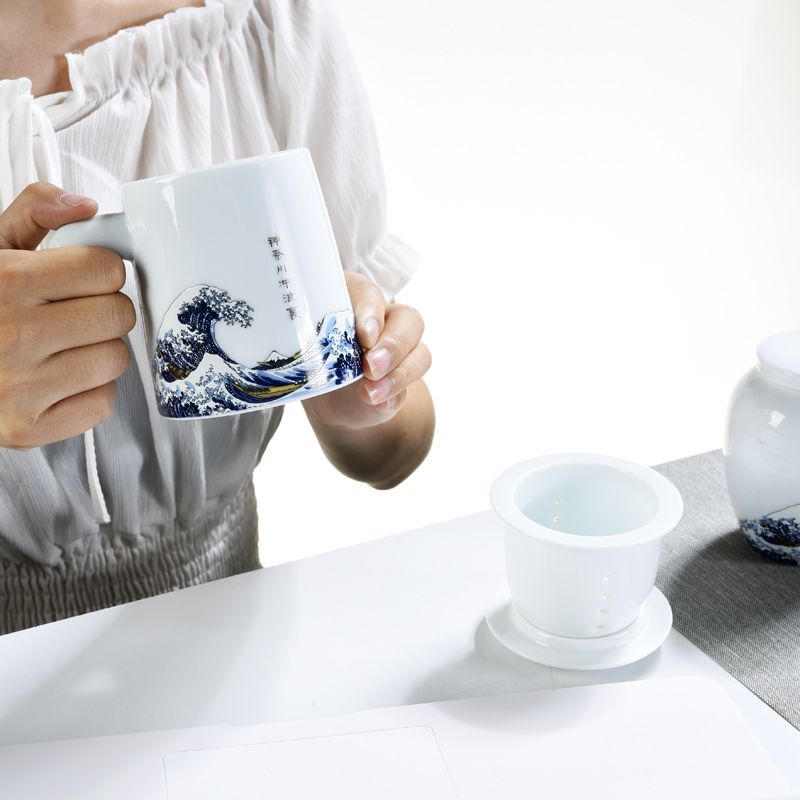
pixel 387 623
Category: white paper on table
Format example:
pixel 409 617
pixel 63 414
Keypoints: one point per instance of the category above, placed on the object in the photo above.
pixel 656 739
pixel 389 764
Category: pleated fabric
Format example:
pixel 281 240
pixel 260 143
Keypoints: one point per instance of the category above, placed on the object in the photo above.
pixel 160 504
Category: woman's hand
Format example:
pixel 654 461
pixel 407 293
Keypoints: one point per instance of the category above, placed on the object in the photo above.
pixel 379 429
pixel 395 358
pixel 62 317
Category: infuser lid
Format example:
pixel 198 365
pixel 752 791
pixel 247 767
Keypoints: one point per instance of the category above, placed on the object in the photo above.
pixel 778 359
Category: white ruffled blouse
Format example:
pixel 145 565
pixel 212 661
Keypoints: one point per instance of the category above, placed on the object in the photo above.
pixel 202 85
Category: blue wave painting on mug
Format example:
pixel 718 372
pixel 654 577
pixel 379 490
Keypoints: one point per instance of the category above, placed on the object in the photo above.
pixel 196 378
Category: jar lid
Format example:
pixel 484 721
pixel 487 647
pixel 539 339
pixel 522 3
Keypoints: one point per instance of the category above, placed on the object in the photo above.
pixel 779 358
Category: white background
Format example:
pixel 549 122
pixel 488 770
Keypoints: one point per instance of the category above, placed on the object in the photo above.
pixel 606 199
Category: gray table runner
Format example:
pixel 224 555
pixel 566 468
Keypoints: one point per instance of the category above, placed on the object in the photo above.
pixel 739 607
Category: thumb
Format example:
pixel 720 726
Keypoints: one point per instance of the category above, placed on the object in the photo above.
pixel 37 210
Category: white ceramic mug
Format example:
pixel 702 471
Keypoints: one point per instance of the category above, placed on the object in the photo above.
pixel 245 302
pixel 583 538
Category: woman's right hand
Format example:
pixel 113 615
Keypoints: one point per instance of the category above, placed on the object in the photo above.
pixel 62 317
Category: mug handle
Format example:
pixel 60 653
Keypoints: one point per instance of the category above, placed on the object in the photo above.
pixel 103 230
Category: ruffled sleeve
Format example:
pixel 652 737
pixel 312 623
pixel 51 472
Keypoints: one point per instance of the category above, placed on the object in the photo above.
pixel 324 107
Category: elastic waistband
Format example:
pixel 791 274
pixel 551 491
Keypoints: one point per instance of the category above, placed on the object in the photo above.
pixel 107 568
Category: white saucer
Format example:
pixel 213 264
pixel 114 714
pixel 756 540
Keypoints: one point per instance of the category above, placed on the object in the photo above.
pixel 639 639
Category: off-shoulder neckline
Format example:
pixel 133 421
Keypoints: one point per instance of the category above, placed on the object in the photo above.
pixel 141 55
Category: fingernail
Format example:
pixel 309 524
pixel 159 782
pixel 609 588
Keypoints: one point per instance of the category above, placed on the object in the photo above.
pixel 74 199
pixel 378 390
pixel 379 360
pixel 372 329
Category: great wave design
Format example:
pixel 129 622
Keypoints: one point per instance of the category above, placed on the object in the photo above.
pixel 776 535
pixel 196 378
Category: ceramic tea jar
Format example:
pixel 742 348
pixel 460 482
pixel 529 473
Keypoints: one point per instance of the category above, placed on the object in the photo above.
pixel 762 449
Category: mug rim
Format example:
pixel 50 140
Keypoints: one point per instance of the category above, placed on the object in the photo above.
pixel 669 513
pixel 215 167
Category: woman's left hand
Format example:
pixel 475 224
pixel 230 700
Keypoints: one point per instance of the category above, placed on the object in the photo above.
pixel 379 429
pixel 395 358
